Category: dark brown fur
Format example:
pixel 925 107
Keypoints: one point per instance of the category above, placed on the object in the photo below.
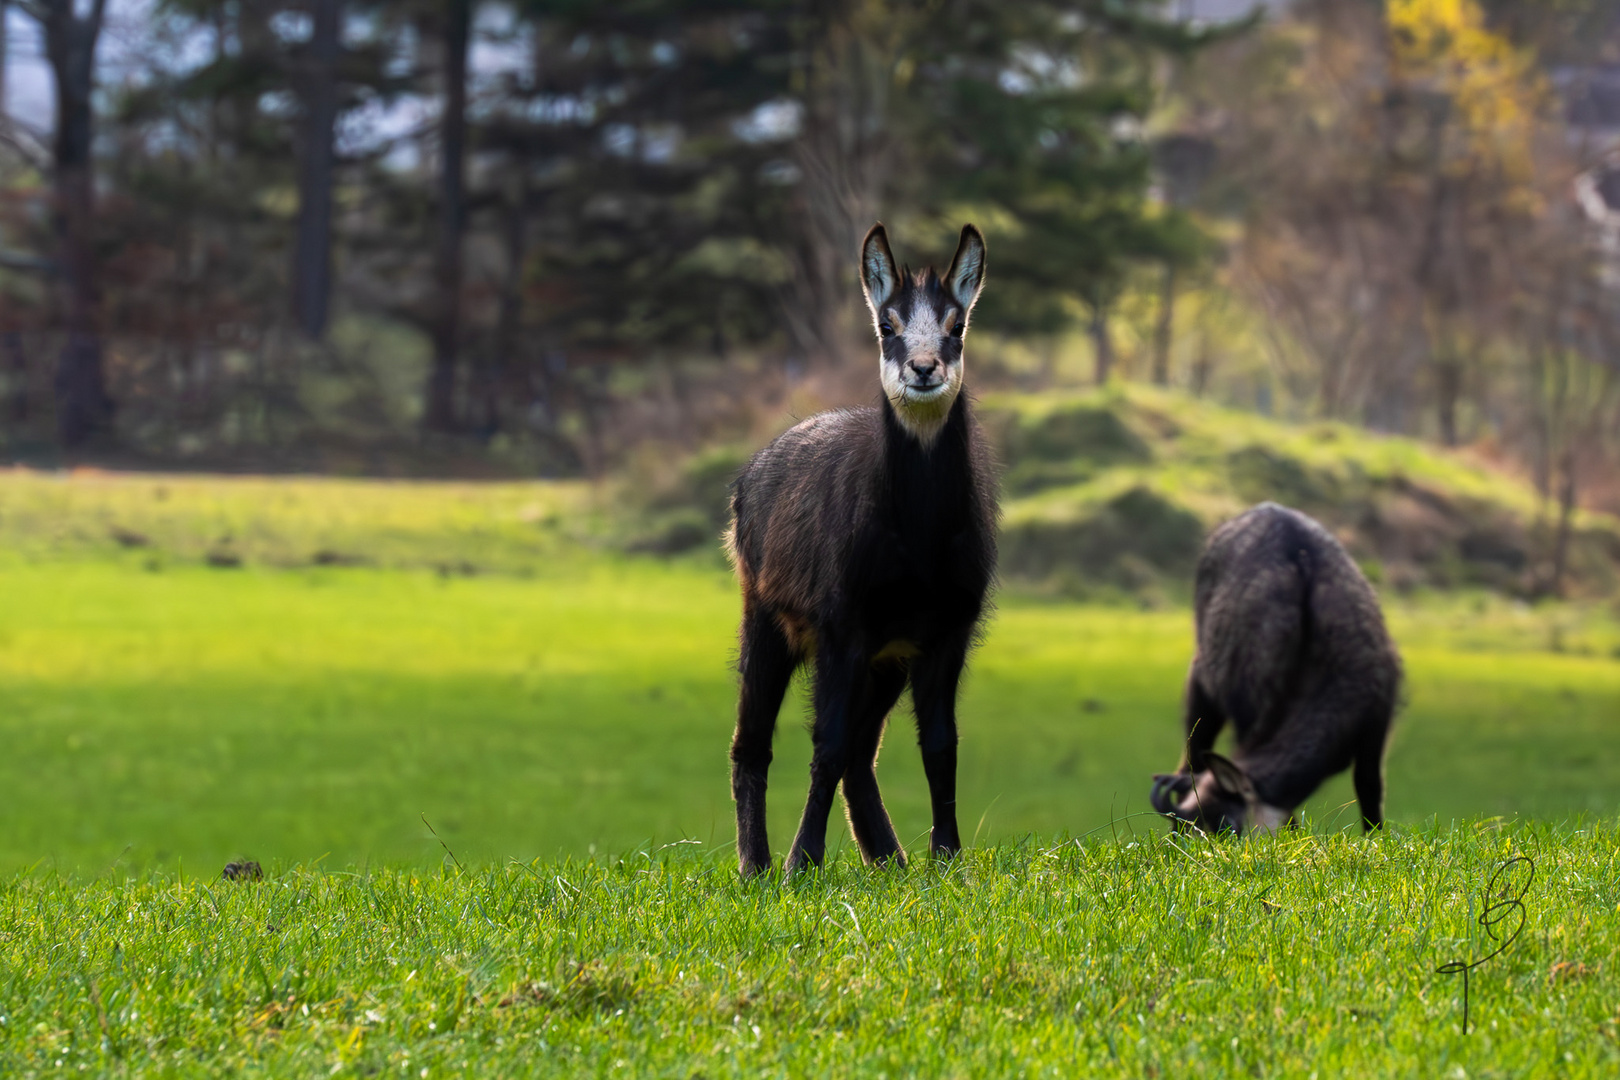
pixel 868 554
pixel 1293 652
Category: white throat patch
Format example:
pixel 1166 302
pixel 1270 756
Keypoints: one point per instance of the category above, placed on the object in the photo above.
pixel 921 412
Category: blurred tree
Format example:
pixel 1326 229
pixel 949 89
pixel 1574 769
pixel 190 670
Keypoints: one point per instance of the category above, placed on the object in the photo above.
pixel 439 412
pixel 83 408
pixel 318 82
pixel 1035 120
pixel 1469 102
pixel 1565 318
pixel 657 189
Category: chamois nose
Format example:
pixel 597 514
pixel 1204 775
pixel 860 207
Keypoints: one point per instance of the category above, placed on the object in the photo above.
pixel 927 370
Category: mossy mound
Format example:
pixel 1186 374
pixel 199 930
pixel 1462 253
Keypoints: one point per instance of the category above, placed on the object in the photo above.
pixel 684 508
pixel 1115 490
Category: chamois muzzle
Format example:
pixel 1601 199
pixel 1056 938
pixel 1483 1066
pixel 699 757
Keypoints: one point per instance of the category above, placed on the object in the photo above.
pixel 925 375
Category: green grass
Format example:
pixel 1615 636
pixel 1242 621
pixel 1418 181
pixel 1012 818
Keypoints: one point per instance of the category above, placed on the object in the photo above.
pixel 1147 956
pixel 162 716
pixel 192 715
pixel 156 520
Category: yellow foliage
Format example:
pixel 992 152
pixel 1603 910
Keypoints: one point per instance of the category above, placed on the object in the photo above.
pixel 1493 86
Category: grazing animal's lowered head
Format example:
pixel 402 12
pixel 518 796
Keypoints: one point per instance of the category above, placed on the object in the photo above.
pixel 1219 799
pixel 921 320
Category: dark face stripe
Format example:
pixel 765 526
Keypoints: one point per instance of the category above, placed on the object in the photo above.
pixel 916 294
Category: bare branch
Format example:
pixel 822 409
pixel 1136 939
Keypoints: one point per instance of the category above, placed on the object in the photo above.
pixel 26 144
pixel 34 9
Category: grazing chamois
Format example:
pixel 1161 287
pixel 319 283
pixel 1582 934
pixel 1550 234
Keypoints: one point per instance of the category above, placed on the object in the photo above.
pixel 1292 649
pixel 864 540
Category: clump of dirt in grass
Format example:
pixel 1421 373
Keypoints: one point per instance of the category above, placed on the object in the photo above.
pixel 589 987
pixel 128 538
pixel 328 557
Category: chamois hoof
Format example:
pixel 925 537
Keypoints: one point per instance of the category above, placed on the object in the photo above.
pixel 800 862
pixel 748 869
pixel 944 847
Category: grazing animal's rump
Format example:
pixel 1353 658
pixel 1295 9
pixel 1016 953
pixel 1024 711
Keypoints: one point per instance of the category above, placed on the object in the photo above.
pixel 1292 650
pixel 864 541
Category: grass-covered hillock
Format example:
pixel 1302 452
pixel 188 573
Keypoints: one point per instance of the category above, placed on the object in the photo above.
pixel 1115 490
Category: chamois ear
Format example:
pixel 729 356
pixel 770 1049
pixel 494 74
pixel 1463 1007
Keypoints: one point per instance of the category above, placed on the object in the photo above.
pixel 966 275
pixel 1230 777
pixel 879 278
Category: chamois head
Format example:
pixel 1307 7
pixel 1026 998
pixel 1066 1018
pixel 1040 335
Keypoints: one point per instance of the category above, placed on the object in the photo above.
pixel 1219 799
pixel 920 321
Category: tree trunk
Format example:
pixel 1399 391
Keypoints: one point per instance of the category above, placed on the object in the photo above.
pixel 83 409
pixel 1448 388
pixel 1049 355
pixel 312 256
pixel 1102 342
pixel 844 152
pixel 440 414
pixel 14 362
pixel 1163 333
pixel 5 44
pixel 1566 518
pixel 1203 365
pixel 508 322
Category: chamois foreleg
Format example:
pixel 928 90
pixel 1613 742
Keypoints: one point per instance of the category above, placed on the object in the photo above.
pixel 934 680
pixel 868 820
pixel 838 673
pixel 766 663
pixel 1203 720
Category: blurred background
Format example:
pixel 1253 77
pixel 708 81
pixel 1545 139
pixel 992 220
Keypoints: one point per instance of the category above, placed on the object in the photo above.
pixel 444 325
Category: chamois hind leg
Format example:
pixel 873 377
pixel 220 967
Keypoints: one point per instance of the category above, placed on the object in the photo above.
pixel 766 664
pixel 838 670
pixel 868 820
pixel 934 680
pixel 1369 780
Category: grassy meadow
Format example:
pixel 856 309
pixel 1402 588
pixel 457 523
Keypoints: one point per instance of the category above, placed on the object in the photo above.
pixel 534 695
pixel 297 671
pixel 162 711
pixel 1307 955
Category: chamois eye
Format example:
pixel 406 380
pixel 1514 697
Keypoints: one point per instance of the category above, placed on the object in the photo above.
pixel 885 329
pixel 956 331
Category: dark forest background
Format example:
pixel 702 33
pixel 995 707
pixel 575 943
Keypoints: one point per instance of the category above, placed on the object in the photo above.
pixel 527 238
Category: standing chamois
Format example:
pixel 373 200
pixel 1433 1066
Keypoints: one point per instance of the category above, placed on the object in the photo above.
pixel 1292 650
pixel 864 540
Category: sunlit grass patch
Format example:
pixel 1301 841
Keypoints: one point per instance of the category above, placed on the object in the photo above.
pixel 1149 955
pixel 155 519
